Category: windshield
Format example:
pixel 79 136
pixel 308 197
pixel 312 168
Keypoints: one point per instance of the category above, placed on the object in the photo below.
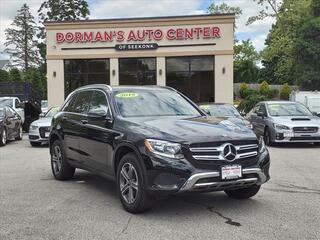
pixel 53 111
pixel 157 102
pixel 6 102
pixel 221 110
pixel 2 112
pixel 288 109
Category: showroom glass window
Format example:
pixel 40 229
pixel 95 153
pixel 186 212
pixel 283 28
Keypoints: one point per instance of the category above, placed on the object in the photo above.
pixel 80 72
pixel 137 71
pixel 193 76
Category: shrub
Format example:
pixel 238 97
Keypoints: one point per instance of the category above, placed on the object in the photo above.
pixel 264 88
pixel 249 92
pixel 285 91
pixel 247 104
pixel 273 93
pixel 243 88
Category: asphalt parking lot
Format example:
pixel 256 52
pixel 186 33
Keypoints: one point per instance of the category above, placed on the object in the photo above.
pixel 35 206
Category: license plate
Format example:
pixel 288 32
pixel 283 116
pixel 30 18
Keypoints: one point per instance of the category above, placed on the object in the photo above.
pixel 231 172
pixel 46 134
pixel 288 134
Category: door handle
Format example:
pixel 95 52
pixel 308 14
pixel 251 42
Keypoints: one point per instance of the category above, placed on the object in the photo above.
pixel 84 121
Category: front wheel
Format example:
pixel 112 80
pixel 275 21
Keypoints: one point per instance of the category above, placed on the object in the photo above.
pixel 267 137
pixel 20 135
pixel 61 169
pixel 131 185
pixel 3 137
pixel 243 193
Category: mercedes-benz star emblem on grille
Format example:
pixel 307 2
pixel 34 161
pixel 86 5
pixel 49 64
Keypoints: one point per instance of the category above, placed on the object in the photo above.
pixel 229 152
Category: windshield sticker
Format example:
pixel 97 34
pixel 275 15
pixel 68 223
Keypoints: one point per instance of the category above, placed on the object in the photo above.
pixel 127 95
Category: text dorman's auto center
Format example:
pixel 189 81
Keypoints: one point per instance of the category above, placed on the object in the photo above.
pixel 193 54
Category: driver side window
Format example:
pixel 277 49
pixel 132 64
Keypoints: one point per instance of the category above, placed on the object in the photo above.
pixel 99 103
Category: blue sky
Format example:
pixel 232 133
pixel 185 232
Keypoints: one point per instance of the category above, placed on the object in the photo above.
pixel 257 32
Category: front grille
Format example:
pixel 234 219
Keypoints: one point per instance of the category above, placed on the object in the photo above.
pixel 305 129
pixel 216 153
pixel 33 137
pixel 43 130
pixel 305 138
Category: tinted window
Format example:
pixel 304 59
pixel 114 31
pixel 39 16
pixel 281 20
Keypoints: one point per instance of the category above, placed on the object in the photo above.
pixel 79 103
pixel 6 102
pixel 80 72
pixel 142 103
pixel 193 76
pixel 53 111
pixel 137 71
pixel 16 102
pixel 98 102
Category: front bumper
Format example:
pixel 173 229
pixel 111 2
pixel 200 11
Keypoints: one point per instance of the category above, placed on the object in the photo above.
pixel 35 136
pixel 178 176
pixel 291 137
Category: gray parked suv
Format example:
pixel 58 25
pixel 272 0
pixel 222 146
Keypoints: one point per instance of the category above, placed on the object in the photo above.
pixel 284 121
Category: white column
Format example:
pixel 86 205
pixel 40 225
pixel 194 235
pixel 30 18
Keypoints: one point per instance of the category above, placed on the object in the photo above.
pixel 55 82
pixel 114 71
pixel 161 71
pixel 223 78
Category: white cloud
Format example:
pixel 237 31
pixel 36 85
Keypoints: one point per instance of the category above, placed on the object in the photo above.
pixel 144 8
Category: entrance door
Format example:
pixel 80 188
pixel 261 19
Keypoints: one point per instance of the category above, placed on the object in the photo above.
pixel 193 76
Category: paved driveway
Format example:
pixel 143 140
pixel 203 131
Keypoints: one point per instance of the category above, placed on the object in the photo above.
pixel 35 206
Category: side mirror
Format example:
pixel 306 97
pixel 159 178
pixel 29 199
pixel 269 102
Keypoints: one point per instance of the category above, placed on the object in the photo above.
pixel 260 114
pixel 41 115
pixel 100 115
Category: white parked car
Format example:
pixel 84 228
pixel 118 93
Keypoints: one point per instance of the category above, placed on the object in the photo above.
pixel 15 104
pixel 40 129
pixel 311 99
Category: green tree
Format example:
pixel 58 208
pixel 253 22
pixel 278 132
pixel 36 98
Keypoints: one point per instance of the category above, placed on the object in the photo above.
pixel 15 75
pixel 278 58
pixel 245 62
pixel 20 43
pixel 307 50
pixel 285 91
pixel 270 8
pixel 4 76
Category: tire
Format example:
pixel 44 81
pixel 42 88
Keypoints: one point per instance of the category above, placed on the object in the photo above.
pixel 130 174
pixel 243 193
pixel 20 136
pixel 35 144
pixel 267 137
pixel 61 169
pixel 3 137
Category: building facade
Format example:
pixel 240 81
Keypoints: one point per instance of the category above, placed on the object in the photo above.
pixel 193 54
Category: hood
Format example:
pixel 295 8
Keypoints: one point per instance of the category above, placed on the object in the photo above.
pixel 189 130
pixel 42 122
pixel 293 121
pixel 238 121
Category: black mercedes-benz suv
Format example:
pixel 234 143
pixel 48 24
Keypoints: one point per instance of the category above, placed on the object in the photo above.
pixel 154 141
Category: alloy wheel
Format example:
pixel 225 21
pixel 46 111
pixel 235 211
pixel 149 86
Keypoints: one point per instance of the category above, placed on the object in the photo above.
pixel 4 137
pixel 57 159
pixel 129 183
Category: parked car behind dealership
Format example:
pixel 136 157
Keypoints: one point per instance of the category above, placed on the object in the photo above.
pixel 10 125
pixel 154 141
pixel 226 111
pixel 40 129
pixel 15 104
pixel 284 121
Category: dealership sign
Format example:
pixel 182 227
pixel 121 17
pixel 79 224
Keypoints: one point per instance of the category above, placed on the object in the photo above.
pixel 139 35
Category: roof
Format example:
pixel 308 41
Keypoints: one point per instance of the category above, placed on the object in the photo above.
pixel 3 63
pixel 224 15
pixel 124 87
pixel 283 101
pixel 213 103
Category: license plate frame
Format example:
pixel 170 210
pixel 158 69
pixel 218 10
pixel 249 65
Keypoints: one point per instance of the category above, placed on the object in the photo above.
pixel 229 172
pixel 46 134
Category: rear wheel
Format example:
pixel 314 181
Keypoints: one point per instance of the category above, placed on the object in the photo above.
pixel 61 169
pixel 3 137
pixel 20 136
pixel 131 185
pixel 267 137
pixel 243 193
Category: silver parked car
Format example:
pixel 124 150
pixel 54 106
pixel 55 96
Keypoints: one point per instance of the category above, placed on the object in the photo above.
pixel 40 129
pixel 284 121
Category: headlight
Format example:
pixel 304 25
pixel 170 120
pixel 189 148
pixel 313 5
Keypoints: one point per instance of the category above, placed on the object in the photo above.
pixel 33 127
pixel 164 148
pixel 262 146
pixel 280 127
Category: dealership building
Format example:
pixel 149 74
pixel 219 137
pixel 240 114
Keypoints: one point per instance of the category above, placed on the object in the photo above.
pixel 193 54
